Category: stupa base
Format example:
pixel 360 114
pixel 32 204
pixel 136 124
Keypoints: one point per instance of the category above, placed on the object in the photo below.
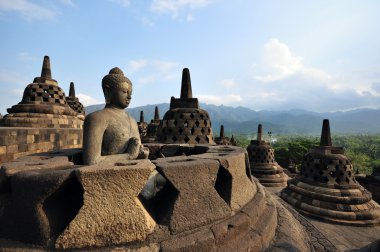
pixel 40 120
pixel 346 206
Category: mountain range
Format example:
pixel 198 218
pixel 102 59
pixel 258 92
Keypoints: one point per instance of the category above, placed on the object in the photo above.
pixel 242 120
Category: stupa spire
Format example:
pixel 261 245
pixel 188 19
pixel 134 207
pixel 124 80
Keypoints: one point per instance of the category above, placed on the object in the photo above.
pixel 72 90
pixel 141 116
pixel 186 91
pixel 156 114
pixel 221 131
pixel 259 132
pixel 46 70
pixel 325 135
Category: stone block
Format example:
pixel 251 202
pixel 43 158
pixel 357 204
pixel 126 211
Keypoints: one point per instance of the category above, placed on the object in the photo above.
pixel 36 211
pixel 200 241
pixel 231 228
pixel 198 202
pixel 112 213
pixel 3 149
pixel 30 163
pixel 233 178
pixel 12 148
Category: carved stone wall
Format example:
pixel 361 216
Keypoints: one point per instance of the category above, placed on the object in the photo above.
pixel 16 142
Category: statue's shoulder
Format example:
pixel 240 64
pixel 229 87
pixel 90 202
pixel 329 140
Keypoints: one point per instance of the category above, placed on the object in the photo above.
pixel 130 118
pixel 97 116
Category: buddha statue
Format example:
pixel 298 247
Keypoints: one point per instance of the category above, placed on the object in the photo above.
pixel 112 134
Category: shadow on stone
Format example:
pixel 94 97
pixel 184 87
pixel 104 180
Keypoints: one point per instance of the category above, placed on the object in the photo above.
pixel 223 185
pixel 63 205
pixel 161 205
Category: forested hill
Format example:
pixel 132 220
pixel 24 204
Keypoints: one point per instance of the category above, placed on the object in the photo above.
pixel 241 120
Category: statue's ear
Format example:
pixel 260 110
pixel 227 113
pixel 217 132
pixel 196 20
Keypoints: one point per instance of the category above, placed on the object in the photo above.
pixel 107 94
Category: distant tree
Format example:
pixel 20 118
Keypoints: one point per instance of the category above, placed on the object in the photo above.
pixel 282 156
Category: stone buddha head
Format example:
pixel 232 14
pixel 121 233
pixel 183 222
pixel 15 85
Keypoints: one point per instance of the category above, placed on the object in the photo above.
pixel 117 89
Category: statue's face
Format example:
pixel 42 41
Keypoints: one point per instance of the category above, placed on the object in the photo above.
pixel 121 96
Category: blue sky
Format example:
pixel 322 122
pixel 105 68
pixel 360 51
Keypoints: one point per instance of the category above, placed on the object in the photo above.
pixel 316 55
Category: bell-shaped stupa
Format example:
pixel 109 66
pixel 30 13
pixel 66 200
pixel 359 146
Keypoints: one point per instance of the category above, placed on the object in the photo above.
pixel 142 125
pixel 326 188
pixel 74 102
pixel 43 105
pixel 263 164
pixel 185 122
pixel 151 132
pixel 222 139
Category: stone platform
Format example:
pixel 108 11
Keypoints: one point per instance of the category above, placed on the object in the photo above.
pixel 332 237
pixel 209 202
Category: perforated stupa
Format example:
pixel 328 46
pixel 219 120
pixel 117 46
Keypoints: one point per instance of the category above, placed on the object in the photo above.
pixel 43 105
pixel 74 102
pixel 185 122
pixel 263 164
pixel 222 139
pixel 152 128
pixel 327 189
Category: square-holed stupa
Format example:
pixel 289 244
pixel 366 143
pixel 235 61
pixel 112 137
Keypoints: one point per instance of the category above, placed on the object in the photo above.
pixel 185 122
pixel 43 105
pixel 326 187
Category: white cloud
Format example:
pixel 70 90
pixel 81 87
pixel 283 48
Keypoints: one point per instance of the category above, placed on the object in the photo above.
pixel 135 65
pixel 175 6
pixel 27 9
pixel 277 62
pixel 231 99
pixel 148 71
pixel 164 66
pixel 228 83
pixel 87 100
pixel 282 81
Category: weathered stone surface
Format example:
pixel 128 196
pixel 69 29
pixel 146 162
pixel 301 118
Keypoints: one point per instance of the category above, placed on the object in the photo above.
pixel 233 183
pixel 30 163
pixel 198 200
pixel 37 210
pixel 16 142
pixel 290 235
pixel 199 241
pixel 111 213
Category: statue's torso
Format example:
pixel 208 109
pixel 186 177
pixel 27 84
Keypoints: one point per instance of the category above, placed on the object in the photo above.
pixel 121 127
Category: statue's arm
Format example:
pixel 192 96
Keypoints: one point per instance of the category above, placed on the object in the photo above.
pixel 93 131
pixel 143 152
